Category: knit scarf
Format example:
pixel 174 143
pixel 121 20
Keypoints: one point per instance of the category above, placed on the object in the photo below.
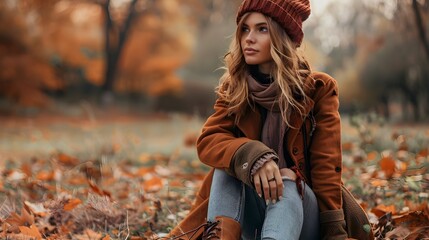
pixel 274 128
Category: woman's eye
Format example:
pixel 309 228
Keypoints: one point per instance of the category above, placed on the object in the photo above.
pixel 263 29
pixel 244 29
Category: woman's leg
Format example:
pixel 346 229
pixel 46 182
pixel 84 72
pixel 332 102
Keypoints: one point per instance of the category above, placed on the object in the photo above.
pixel 227 197
pixel 284 219
pixel 311 216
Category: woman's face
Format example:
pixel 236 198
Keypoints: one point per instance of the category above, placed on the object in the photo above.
pixel 255 42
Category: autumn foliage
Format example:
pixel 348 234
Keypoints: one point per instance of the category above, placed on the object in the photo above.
pixel 112 194
pixel 54 44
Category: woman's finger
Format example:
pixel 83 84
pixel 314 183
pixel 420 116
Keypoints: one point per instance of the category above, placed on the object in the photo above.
pixel 279 183
pixel 273 188
pixel 265 186
pixel 257 183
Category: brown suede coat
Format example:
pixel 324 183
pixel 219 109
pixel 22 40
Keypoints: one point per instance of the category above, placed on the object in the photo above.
pixel 219 147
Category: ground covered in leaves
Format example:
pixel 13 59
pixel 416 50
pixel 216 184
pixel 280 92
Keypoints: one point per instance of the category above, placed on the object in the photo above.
pixel 134 177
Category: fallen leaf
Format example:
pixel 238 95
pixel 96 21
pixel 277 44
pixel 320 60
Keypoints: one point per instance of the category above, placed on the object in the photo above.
pixel 347 146
pixel 98 190
pixel 163 171
pixel 152 185
pixel 36 208
pixel 88 234
pixel 423 153
pixel 78 180
pixel 16 220
pixel 379 182
pixel 71 204
pixel 45 176
pixel 144 170
pixel 372 156
pixel 398 233
pixel 32 231
pixel 67 160
pixel 411 220
pixel 144 158
pixel 387 164
pixel 26 169
pixel 382 210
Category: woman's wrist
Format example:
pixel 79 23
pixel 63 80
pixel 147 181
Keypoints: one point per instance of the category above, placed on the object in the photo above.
pixel 261 161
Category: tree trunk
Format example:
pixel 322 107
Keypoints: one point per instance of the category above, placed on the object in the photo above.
pixel 420 28
pixel 385 106
pixel 412 97
pixel 114 49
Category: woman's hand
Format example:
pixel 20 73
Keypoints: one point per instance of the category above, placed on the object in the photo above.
pixel 268 182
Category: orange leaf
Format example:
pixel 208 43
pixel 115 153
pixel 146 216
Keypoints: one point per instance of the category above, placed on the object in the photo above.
pixel 31 231
pixel 88 234
pixel 412 220
pixel 372 155
pixel 176 183
pixel 26 169
pixel 107 237
pixel 402 167
pixel 387 164
pixel 71 204
pixel 152 185
pixel 45 176
pixel 144 170
pixel 423 153
pixel 381 210
pixel 137 238
pixel 67 160
pixel 98 190
pixel 77 180
pixel 379 183
pixel 347 146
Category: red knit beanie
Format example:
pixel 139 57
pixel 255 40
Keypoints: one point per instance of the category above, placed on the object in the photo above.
pixel 288 13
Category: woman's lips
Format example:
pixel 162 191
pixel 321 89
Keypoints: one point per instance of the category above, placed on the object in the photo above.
pixel 250 51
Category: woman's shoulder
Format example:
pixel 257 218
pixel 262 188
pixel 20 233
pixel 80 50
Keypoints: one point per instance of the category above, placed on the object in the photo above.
pixel 320 84
pixel 322 78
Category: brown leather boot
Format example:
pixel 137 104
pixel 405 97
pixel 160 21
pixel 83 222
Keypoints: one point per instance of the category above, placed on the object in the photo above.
pixel 223 228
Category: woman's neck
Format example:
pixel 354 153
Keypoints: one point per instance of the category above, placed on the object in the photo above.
pixel 259 76
pixel 265 68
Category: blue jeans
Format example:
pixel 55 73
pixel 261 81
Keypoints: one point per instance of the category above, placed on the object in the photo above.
pixel 290 218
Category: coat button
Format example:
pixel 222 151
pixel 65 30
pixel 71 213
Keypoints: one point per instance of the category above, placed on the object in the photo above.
pixel 337 169
pixel 300 166
pixel 295 151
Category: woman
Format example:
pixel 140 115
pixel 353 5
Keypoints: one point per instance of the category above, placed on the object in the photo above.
pixel 269 106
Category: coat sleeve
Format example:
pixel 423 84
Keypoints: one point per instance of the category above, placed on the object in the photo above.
pixel 326 161
pixel 218 147
pixel 325 151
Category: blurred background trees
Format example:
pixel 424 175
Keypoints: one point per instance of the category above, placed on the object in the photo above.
pixel 378 52
pixel 166 54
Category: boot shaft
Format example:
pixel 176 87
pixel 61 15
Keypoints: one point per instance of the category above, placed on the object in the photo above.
pixel 223 228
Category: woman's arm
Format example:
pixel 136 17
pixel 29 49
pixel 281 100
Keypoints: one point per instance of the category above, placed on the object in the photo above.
pixel 218 147
pixel 326 161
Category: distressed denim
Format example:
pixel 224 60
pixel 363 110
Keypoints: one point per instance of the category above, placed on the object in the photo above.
pixel 291 218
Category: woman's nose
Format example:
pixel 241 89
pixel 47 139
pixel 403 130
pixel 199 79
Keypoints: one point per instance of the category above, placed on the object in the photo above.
pixel 250 38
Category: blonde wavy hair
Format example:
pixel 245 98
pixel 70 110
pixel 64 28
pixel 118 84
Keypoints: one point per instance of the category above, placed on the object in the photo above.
pixel 289 72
